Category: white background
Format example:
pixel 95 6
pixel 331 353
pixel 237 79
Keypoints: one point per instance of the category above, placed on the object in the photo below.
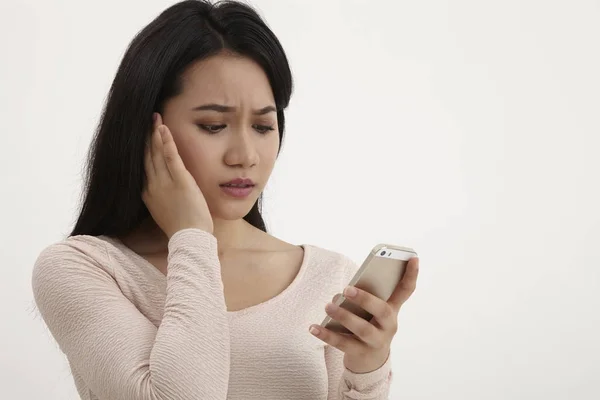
pixel 468 130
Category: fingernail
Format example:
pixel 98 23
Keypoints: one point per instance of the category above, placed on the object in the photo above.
pixel 154 117
pixel 350 291
pixel 331 307
pixel 314 331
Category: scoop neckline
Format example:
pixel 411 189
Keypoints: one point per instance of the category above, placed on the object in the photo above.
pixel 237 313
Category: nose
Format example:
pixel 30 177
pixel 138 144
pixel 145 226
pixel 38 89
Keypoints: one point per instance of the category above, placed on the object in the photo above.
pixel 241 151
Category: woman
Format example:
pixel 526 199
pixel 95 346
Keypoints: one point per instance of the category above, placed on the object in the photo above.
pixel 169 286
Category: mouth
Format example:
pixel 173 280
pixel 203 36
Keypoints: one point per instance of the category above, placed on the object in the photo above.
pixel 239 182
pixel 238 188
pixel 236 185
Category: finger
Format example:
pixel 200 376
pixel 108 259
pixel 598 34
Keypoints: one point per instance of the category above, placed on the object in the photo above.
pixel 406 286
pixel 158 158
pixel 172 159
pixel 344 342
pixel 384 313
pixel 148 164
pixel 361 328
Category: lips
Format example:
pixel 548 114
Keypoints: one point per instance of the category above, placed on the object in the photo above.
pixel 239 188
pixel 239 183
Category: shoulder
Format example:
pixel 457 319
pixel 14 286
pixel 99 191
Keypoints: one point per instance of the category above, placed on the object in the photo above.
pixel 321 263
pixel 75 249
pixel 64 263
pixel 330 263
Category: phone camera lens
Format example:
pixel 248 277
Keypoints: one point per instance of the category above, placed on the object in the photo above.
pixel 383 253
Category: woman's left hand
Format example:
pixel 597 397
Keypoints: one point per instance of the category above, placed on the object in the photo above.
pixel 368 348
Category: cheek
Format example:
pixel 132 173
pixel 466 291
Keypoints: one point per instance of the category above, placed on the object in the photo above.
pixel 268 153
pixel 196 159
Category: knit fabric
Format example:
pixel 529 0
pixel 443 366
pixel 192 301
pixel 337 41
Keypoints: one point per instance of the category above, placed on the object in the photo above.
pixel 129 332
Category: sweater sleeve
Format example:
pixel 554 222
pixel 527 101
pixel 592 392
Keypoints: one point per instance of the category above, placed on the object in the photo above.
pixel 345 384
pixel 117 351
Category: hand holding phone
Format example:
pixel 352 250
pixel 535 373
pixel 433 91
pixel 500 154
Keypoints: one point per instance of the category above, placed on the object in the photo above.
pixel 379 275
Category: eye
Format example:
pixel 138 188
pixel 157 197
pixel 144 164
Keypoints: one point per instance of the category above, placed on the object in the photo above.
pixel 212 128
pixel 263 129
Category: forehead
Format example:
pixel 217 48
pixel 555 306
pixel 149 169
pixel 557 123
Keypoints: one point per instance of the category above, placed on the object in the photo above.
pixel 227 79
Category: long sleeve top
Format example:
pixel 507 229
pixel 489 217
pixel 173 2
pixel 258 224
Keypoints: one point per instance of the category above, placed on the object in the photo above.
pixel 130 332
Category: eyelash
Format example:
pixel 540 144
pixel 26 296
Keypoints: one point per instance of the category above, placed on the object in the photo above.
pixel 262 129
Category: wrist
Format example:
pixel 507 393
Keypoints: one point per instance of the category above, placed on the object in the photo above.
pixel 366 364
pixel 170 234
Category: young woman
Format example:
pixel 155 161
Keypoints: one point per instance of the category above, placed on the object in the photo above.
pixel 169 286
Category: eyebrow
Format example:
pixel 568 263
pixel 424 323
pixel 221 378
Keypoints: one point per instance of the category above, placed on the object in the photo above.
pixel 225 109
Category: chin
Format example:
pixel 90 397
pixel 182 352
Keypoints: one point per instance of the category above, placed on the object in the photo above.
pixel 231 210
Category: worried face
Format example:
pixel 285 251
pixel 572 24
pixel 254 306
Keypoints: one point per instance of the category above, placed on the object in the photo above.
pixel 224 124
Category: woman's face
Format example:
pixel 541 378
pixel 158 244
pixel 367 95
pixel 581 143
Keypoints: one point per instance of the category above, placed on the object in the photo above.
pixel 225 127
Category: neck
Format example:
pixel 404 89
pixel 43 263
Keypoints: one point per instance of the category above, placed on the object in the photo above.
pixel 231 235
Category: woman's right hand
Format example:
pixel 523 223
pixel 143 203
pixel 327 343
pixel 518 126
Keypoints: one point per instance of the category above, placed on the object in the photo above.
pixel 171 193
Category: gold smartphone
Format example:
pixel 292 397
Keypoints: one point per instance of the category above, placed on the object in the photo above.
pixel 379 275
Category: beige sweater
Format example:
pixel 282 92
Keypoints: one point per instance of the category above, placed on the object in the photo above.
pixel 130 333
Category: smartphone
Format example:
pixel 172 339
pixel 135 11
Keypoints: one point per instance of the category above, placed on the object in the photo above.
pixel 379 275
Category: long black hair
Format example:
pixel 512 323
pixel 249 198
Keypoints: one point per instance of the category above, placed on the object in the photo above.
pixel 150 74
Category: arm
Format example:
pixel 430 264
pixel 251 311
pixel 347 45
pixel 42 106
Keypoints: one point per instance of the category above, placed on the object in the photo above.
pixel 346 385
pixel 118 352
pixel 343 383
